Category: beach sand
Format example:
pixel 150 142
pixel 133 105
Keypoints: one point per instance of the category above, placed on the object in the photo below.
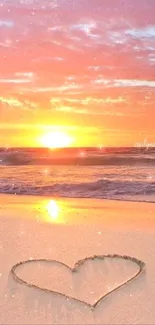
pixel 68 230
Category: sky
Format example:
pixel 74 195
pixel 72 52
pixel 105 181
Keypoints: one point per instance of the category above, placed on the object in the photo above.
pixel 84 67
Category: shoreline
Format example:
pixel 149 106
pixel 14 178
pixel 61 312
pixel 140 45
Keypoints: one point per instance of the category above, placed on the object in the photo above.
pixel 115 214
pixel 122 199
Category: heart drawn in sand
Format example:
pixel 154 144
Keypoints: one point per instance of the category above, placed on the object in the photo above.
pixel 76 270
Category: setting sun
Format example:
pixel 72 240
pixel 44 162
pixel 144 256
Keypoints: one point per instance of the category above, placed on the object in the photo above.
pixel 56 140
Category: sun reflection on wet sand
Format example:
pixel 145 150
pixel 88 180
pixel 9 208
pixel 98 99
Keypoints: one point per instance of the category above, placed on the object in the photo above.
pixel 53 209
pixel 62 211
pixel 50 211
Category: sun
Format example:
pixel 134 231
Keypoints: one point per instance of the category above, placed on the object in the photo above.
pixel 56 140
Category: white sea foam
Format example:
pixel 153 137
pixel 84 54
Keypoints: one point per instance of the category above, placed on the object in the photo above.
pixel 112 182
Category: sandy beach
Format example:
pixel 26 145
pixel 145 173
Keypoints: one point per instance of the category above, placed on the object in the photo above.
pixel 77 162
pixel 68 230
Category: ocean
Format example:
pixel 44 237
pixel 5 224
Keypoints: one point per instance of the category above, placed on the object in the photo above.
pixel 105 173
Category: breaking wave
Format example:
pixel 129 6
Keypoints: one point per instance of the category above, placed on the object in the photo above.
pixel 108 189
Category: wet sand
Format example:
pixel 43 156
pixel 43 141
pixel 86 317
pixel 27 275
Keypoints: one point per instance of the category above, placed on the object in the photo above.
pixel 107 213
pixel 67 230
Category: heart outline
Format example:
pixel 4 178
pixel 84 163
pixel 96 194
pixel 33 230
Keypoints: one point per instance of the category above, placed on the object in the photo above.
pixel 75 268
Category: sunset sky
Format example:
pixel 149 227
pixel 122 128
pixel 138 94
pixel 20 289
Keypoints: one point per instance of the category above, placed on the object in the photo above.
pixel 84 67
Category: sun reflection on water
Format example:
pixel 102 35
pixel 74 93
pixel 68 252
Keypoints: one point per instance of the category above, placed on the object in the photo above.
pixel 53 210
pixel 50 211
pixel 60 211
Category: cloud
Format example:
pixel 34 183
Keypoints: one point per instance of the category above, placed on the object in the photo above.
pixel 29 75
pixel 134 83
pixel 13 102
pixel 58 89
pixel 18 78
pixel 6 43
pixel 107 106
pixel 87 101
pixel 6 23
pixel 140 33
pixel 14 80
pixel 92 58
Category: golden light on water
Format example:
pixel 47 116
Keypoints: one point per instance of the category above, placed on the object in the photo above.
pixel 65 211
pixel 53 210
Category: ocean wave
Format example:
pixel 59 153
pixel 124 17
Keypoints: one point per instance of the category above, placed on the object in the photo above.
pixel 104 189
pixel 14 158
pixel 20 158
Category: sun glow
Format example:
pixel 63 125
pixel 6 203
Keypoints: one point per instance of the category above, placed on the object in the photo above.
pixel 53 209
pixel 56 140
